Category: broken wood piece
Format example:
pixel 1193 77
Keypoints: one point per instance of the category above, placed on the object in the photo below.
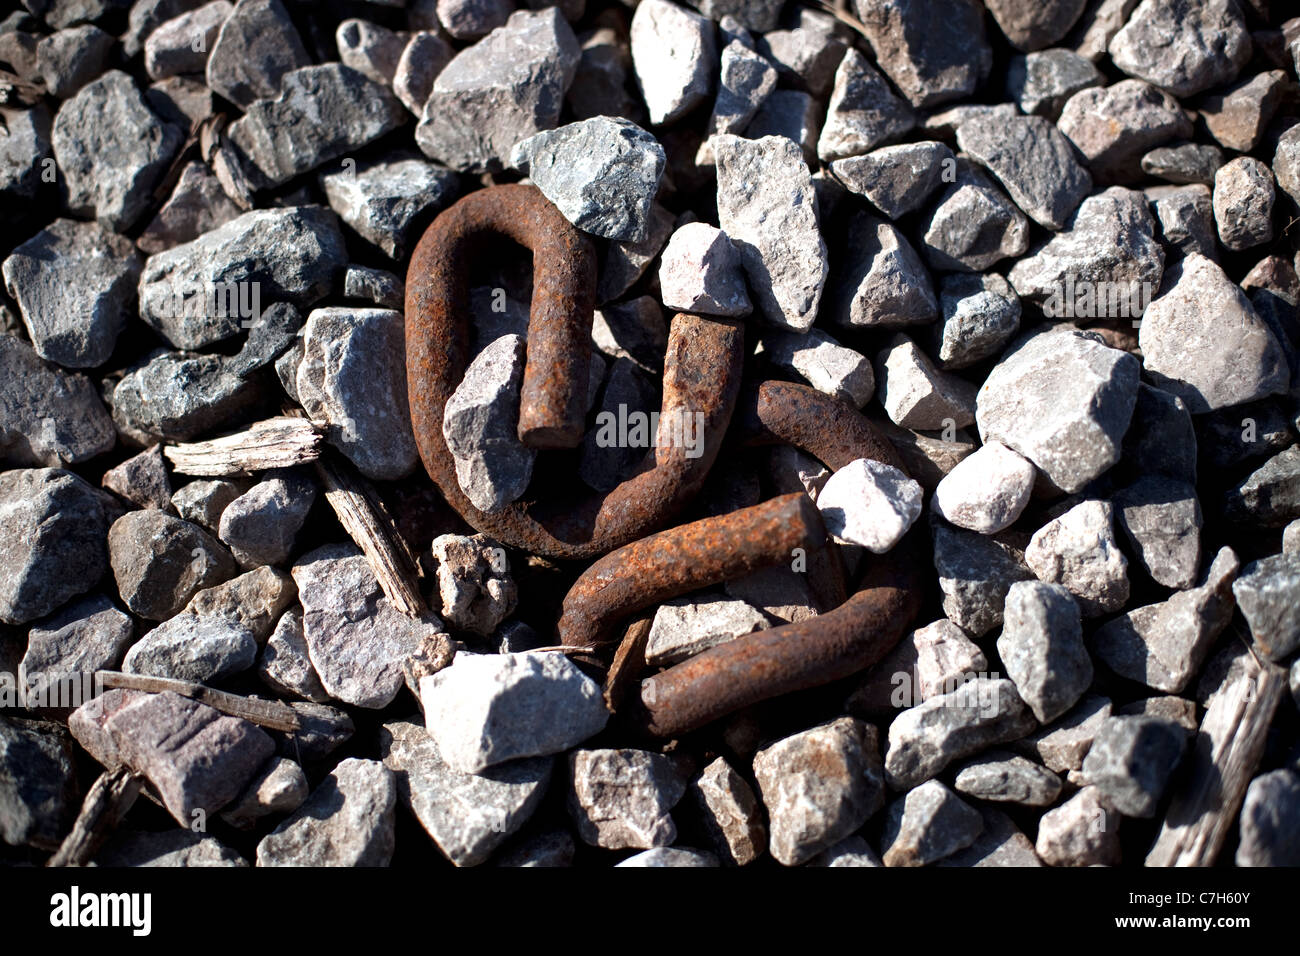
pixel 274 443
pixel 111 795
pixel 629 661
pixel 270 714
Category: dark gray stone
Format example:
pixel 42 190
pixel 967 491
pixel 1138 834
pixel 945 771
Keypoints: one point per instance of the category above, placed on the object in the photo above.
pixel 926 825
pixel 1131 761
pixel 383 200
pixel 257 46
pixel 1268 593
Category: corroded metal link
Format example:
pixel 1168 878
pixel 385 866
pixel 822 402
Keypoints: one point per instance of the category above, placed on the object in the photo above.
pixel 702 370
pixel 690 556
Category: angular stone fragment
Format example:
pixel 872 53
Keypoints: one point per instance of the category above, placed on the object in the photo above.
pixel 38 784
pixel 1064 744
pixel 622 799
pixel 160 562
pixel 1000 844
pixel 1041 646
pixel 256 47
pixel 1131 761
pixel 975 573
pixel 1270 495
pixel 356 639
pixel 987 491
pixel 501 90
pixel 819 786
pixel 823 363
pixel 881 280
pixel 253 601
pixel 767 206
pixel 980 714
pixel 1243 203
pixel 112 150
pixel 1238 117
pixel 474 584
pixel 1034 24
pixel 897 179
pixel 181 44
pixel 745 80
pixel 807 54
pixel 671 856
pixel 383 200
pixel 916 395
pixel 468 815
pixel 50 417
pixel 347 821
pixel 926 825
pixel 606 459
pixel 1183 47
pixel 1162 645
pixel 685 627
pixel 973 224
pixel 1202 340
pixel 285 663
pixel 1161 518
pixel 674 54
pixel 1286 163
pixel 1079 550
pixel 1268 593
pixel 1270 821
pixel 260 525
pixel 24 150
pixel 932 660
pixel 1186 216
pixel 426 54
pixel 851 851
pixel 180 101
pixel 196 758
pixel 979 315
pixel 280 787
pixel 934 52
pixel 487 709
pixel 69 59
pixel 1185 164
pixel 370 49
pixel 731 813
pixel 86 636
pixel 1042 81
pixel 322 730
pixel 701 272
pixel 170 848
pixel 864 112
pixel 187 647
pixel 1083 831
pixel 1007 778
pixel 1114 126
pixel 1160 439
pixel 353 378
pixel 869 504
pixel 554 848
pixel 176 396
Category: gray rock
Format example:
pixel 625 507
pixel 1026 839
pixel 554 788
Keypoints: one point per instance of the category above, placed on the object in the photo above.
pixel 623 263
pixel 1268 593
pixel 74 284
pixel 1160 439
pixel 471 19
pixel 1202 341
pixel 864 112
pixel 933 52
pixel 112 151
pixel 758 15
pixel 1291 537
pixel 819 786
pixel 1114 126
pixel 1107 264
pixel 1161 518
pixel 553 848
pixel 975 573
pixel 973 224
pixel 376 286
pixel 196 759
pixel 1238 116
pixel 1101 20
pixel 71 58
pixel 675 55
pixel 1079 550
pixel 356 639
pixel 731 814
pixel 1007 778
pixel 24 150
pixel 823 363
pixel 1041 646
pixel 181 44
pixel 285 663
pixel 684 627
pixel 486 709
pixel 383 200
pixel 1286 163
pixel 1270 495
pixel 51 541
pixel 347 821
pixel 256 47
pixel 980 714
pixel 1163 645
pixel 881 281
pixel 928 824
pixel 1035 163
pixel 916 395
pixel 1042 81
pixel 622 799
pixel 979 315
pixel 86 636
pixel 353 378
pixel 745 80
pixel 426 55
pixel 601 173
pixel 851 851
pixel 253 601
pixel 869 504
pixel 503 89
pixel 671 856
pixel 600 85
pixel 700 272
pixel 1243 203
pixel 260 525
pixel 1270 821
pixel 1182 48
pixel 170 848
pixel 203 291
pixel 281 787
pixel 1033 24
pixel 1063 745
pixel 370 49
pixel 468 815
pixel 1000 844
pixel 1131 761
pixel 160 562
pixel 197 205
pixel 322 112
pixel 38 784
pixel 806 55
pixel 897 179
pixel 1188 163
pixel 176 396
pixel 1178 709
pixel 1083 831
pixel 767 206
pixel 932 660
pixel 1186 216
pixel 204 650
pixel 633 330
pixel 180 101
pixel 475 588
pixel 987 491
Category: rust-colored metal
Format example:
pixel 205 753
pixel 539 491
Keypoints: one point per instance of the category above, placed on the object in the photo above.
pixel 685 558
pixel 702 370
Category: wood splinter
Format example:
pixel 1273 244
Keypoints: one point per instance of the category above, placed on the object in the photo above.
pixel 274 443
pixel 270 714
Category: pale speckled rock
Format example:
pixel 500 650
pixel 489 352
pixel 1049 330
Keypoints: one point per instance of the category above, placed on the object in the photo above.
pixel 823 363
pixel 353 378
pixel 1161 518
pixel 1184 48
pixel 975 573
pixel 382 200
pixel 356 639
pixel 474 586
pixel 493 467
pixel 160 562
pixel 918 396
pixel 731 813
pixel 467 815
pixel 1163 645
pixel 1064 401
pixel 281 787
pixel 623 799
pixel 684 627
pixel 700 272
pixel 1042 81
pixel 674 54
pixel 86 636
pixel 38 784
pixel 869 504
pixel 1007 778
pixel 196 758
pixel 1243 203
pixel 1079 550
pixel 1064 743
pixel 934 52
pixel 932 660
pixel 501 90
pixel 187 647
pixel 486 709
pixel 601 173
pixel 112 150
pixel 375 286
pixel 793 114
pixel 471 19
pixel 1114 126
pixel 1083 831
pixel 1268 593
pixel 1270 821
pixel 980 714
pixel 254 601
pixel 256 47
pixel 285 663
pixel 1291 537
pixel 926 825
pixel 767 206
pixel 370 49
pixel 1041 647
pixel 1286 163
pixel 1203 341
pixel 142 480
pixel 863 113
pixel 819 786
pixel 973 224
pixel 347 821
pixel 671 856
pixel 757 15
pixel 881 281
pixel 978 315
pixel 987 491
pixel 1131 761
pixel 261 525
pixel 896 179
